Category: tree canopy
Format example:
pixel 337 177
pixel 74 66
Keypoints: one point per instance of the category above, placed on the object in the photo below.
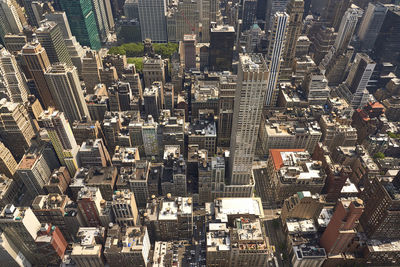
pixel 137 49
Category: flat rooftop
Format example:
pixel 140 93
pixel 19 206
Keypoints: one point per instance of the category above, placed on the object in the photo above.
pixel 169 209
pixel 218 238
pixel 300 226
pixel 253 62
pixel 232 206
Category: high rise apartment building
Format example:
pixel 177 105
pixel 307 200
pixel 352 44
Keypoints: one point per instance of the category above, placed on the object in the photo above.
pixel 91 65
pixel 75 50
pixel 21 226
pixel 38 63
pixel 16 128
pixel 8 165
pixel 50 37
pixel 13 84
pixel 347 27
pixel 354 89
pixel 61 137
pixel 251 90
pixel 66 90
pixel 34 171
pixel 342 227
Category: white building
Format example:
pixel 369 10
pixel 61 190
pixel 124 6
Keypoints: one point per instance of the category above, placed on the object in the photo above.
pixel 249 103
pixel 274 55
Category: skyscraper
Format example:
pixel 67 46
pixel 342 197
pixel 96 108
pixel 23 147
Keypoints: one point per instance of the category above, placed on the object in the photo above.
pixel 354 89
pixel 9 20
pixel 91 65
pixel 21 226
pixel 38 63
pixel 101 19
pixel 153 24
pixel 50 37
pixel 61 137
pixel 274 55
pixel 295 11
pixel 16 128
pixel 82 19
pixel 387 45
pixel 371 25
pixel 8 165
pixel 274 6
pixel 75 50
pixel 347 27
pixel 248 13
pixel 12 82
pixel 249 102
pixel 34 171
pixel 222 39
pixel 342 227
pixel 66 90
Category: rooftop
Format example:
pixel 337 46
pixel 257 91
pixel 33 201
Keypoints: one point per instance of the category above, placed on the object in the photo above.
pixel 237 206
pixel 169 209
pixel 253 62
pixel 300 226
pixel 124 240
pixel 218 238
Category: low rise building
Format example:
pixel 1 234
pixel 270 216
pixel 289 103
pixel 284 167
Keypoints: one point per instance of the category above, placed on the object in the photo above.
pixel 293 171
pixel 127 247
pixel 88 252
pixel 169 218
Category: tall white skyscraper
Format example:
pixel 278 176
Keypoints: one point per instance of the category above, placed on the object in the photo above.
pixel 12 83
pixel 347 27
pixel 371 25
pixel 66 90
pixel 251 90
pixel 274 55
pixel 152 20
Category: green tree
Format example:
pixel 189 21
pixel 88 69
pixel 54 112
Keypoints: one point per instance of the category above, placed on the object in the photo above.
pixel 379 155
pixel 138 61
pixel 117 50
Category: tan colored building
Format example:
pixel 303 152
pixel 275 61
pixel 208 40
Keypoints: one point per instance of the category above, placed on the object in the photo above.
pixel 16 128
pixel 169 218
pixel 51 209
pixel 124 208
pixel 289 135
pixel 91 65
pixel 8 165
pixel 93 153
pixel 302 205
pixel 88 252
pixel 38 63
pixel 153 70
pixel 293 170
pixel 21 226
pixel 8 190
pixel 135 247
